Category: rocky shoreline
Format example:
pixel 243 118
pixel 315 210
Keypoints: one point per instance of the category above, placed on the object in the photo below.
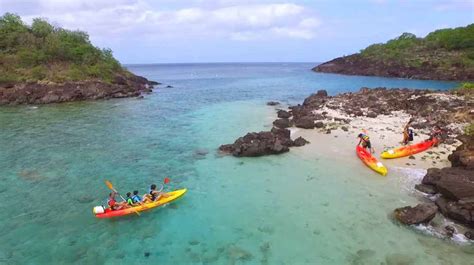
pixel 452 188
pixel 449 191
pixel 356 64
pixel 49 92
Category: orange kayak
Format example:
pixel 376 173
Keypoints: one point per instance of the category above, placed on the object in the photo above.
pixel 107 213
pixel 371 161
pixel 409 149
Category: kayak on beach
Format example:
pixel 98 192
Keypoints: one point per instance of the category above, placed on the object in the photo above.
pixel 101 212
pixel 371 161
pixel 409 149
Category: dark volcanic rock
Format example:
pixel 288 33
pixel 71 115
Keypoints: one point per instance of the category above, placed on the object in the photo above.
pixel 44 92
pixel 305 122
pixel 469 235
pixel 300 141
pixel 429 189
pixel 276 141
pixel 319 124
pixel 460 211
pixel 422 213
pixel 452 183
pixel 282 123
pixel 464 154
pixel 356 64
pixel 283 114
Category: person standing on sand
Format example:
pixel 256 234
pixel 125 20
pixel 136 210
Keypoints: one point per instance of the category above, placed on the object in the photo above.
pixel 408 133
pixel 436 133
pixel 364 141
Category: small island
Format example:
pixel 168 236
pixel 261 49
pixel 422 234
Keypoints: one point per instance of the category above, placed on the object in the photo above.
pixel 41 63
pixel 445 54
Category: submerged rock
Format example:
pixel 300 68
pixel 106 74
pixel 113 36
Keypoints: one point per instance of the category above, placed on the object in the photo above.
pixel 273 103
pixel 422 213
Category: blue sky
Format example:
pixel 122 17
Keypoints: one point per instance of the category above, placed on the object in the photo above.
pixel 175 31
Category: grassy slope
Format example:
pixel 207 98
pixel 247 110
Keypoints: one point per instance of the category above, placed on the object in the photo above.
pixel 444 49
pixel 42 52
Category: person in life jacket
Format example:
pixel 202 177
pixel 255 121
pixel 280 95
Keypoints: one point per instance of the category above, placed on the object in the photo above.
pixel 436 133
pixel 408 133
pixel 113 204
pixel 153 194
pixel 129 199
pixel 364 141
pixel 136 199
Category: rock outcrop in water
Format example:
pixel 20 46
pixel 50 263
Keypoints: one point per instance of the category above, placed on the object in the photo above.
pixel 272 142
pixel 49 92
pixel 422 213
pixel 455 185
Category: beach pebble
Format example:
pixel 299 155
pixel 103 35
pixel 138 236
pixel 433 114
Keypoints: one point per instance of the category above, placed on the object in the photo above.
pixel 411 157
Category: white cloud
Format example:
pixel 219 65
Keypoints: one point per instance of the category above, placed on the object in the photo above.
pixel 138 18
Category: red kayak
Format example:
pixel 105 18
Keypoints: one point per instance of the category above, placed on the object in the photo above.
pixel 370 160
pixel 409 149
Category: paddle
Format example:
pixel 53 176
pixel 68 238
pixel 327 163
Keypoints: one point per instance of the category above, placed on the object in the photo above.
pixel 109 184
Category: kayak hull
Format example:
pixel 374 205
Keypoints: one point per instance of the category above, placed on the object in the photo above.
pixel 173 195
pixel 370 161
pixel 408 150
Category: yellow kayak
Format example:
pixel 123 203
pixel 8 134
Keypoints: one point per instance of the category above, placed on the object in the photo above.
pixel 108 213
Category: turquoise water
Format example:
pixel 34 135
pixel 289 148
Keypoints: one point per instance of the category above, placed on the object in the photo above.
pixel 287 209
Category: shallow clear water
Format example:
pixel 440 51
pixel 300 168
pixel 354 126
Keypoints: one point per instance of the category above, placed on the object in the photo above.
pixel 296 208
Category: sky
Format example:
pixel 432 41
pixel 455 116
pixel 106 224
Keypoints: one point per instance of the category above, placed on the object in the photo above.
pixel 180 31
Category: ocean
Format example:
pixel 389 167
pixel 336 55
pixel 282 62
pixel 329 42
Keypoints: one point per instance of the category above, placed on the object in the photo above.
pixel 285 209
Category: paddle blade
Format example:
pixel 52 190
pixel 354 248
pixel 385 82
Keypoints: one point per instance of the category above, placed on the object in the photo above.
pixel 109 184
pixel 167 180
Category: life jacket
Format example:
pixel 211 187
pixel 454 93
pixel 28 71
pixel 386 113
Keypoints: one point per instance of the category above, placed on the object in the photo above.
pixel 365 138
pixel 152 194
pixel 129 201
pixel 410 134
pixel 111 202
pixel 136 198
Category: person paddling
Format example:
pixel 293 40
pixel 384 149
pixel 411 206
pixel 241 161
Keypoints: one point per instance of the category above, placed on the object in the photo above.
pixel 153 194
pixel 408 133
pixel 364 141
pixel 113 204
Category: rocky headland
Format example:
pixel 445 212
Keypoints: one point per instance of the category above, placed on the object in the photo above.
pixel 444 54
pixel 42 63
pixel 44 92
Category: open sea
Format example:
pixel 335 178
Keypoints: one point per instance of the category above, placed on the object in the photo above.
pixel 286 209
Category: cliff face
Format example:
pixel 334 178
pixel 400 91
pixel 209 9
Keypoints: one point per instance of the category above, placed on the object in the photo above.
pixel 358 65
pixel 446 54
pixel 49 92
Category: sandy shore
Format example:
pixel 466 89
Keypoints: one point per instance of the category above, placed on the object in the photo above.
pixel 385 132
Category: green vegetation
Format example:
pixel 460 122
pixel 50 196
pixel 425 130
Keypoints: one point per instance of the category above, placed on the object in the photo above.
pixel 465 89
pixel 41 51
pixel 444 48
pixel 469 129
